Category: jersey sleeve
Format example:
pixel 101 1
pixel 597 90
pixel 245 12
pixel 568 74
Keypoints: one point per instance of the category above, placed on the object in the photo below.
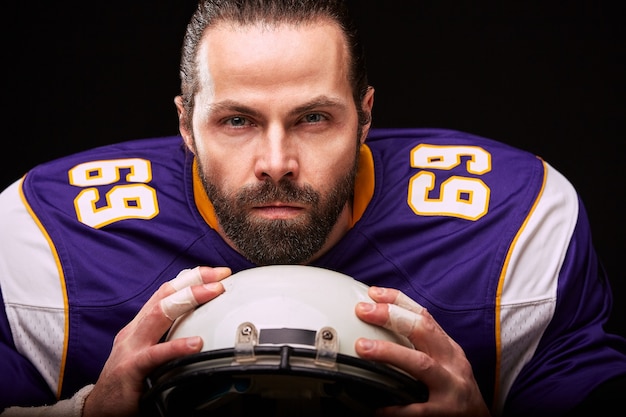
pixel 32 322
pixel 573 354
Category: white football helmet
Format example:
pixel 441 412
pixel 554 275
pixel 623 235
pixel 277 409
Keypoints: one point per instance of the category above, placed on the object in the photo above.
pixel 280 341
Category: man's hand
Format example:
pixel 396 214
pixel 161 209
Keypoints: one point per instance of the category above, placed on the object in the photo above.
pixel 136 349
pixel 437 360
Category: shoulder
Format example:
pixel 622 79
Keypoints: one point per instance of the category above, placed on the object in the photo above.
pixel 457 174
pixel 116 156
pixel 42 207
pixel 120 168
pixel 22 240
pixel 447 141
pixel 448 153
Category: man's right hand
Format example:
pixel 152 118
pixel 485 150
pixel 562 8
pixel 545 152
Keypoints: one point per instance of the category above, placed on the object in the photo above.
pixel 136 350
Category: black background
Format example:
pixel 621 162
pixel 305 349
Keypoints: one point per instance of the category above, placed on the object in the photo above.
pixel 548 77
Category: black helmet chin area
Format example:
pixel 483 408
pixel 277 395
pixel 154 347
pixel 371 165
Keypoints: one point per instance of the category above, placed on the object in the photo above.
pixel 280 381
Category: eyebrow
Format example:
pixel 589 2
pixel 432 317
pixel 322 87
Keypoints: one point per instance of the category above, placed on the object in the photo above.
pixel 231 106
pixel 317 102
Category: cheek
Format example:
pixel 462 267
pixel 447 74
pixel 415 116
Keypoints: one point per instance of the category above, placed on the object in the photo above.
pixel 326 179
pixel 227 170
pixel 333 162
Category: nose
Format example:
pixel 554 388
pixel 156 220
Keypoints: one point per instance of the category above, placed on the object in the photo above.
pixel 277 155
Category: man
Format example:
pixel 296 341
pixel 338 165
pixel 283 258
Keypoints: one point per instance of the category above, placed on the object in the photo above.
pixel 477 252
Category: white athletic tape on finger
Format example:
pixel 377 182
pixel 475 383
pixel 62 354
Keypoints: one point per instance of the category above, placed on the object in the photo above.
pixel 186 278
pixel 403 300
pixel 177 304
pixel 401 320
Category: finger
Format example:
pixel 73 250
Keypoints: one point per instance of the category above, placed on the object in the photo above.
pixel 402 311
pixel 395 318
pixel 214 274
pixel 186 278
pixel 163 352
pixel 393 296
pixel 416 363
pixel 392 309
pixel 156 316
pixel 184 299
pixel 404 301
pixel 401 320
pixel 179 303
pixel 190 277
pixel 198 275
pixel 190 293
pixel 417 325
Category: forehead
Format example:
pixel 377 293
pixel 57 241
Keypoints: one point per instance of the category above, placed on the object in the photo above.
pixel 257 34
pixel 272 53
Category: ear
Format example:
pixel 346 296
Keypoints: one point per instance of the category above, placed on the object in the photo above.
pixel 367 104
pixel 184 123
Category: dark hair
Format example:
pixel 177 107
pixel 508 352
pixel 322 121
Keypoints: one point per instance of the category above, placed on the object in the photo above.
pixel 244 12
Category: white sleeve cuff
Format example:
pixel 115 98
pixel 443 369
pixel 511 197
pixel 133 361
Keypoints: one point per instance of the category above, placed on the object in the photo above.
pixel 72 407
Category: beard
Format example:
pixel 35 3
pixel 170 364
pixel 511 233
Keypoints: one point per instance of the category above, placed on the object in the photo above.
pixel 280 241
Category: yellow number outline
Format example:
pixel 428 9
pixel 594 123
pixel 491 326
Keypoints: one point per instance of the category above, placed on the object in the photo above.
pixel 137 200
pixel 459 196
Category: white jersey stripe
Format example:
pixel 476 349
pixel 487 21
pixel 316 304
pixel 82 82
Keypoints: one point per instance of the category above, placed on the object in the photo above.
pixel 35 307
pixel 528 296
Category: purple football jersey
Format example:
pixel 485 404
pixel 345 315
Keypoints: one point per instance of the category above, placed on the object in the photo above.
pixel 487 237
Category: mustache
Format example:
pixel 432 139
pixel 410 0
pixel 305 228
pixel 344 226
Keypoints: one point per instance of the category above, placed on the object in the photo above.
pixel 284 191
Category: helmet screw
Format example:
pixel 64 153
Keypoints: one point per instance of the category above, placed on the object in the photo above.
pixel 246 331
pixel 327 335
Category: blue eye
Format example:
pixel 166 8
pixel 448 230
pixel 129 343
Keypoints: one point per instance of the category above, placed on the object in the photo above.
pixel 237 121
pixel 313 118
